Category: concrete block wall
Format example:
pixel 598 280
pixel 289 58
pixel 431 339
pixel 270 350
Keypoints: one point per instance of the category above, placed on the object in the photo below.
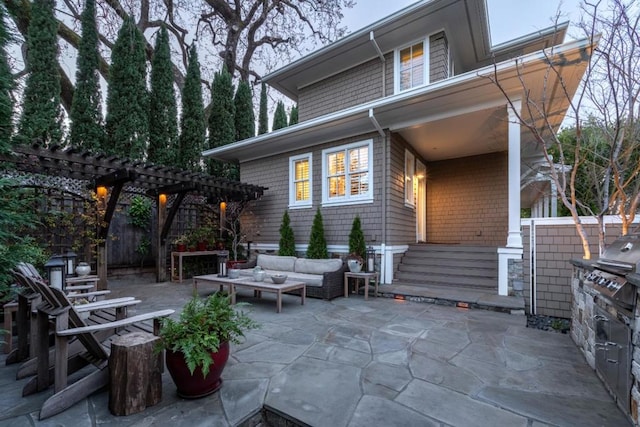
pixel 467 200
pixel 556 243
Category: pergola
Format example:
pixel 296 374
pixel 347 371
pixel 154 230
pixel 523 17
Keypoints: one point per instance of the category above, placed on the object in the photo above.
pixel 108 175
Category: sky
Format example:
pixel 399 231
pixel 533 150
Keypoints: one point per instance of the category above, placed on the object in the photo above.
pixel 508 19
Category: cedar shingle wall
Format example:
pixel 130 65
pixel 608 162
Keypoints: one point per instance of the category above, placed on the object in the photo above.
pixel 467 200
pixel 438 57
pixel 556 245
pixel 401 219
pixel 273 172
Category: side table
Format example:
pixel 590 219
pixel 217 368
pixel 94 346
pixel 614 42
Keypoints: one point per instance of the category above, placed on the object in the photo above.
pixel 361 275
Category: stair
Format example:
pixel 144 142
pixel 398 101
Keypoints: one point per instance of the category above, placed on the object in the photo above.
pixel 455 266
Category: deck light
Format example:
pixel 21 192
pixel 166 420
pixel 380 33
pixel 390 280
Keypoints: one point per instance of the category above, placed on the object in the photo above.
pixel 56 271
pixel 222 265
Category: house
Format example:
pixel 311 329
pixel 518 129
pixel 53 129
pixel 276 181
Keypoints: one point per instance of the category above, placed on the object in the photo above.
pixel 401 123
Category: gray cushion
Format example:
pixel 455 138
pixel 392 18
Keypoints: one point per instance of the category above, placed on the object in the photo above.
pixel 317 266
pixel 275 262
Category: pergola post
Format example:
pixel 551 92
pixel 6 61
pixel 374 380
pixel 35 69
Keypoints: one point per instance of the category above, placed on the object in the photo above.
pixel 161 265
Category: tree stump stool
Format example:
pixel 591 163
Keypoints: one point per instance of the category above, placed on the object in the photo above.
pixel 135 373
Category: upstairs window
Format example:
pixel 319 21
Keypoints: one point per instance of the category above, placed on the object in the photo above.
pixel 412 66
pixel 300 181
pixel 347 174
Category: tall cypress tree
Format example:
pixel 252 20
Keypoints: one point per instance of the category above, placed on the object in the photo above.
pixel 193 128
pixel 221 121
pixel 279 117
pixel 293 115
pixel 6 86
pixel 263 118
pixel 163 114
pixel 245 120
pixel 41 112
pixel 317 248
pixel 357 244
pixel 86 110
pixel 287 244
pixel 127 103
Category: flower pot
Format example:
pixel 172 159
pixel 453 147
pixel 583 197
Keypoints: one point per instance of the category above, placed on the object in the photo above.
pixel 196 385
pixel 181 247
pixel 83 269
pixel 234 264
pixel 201 246
pixel 354 265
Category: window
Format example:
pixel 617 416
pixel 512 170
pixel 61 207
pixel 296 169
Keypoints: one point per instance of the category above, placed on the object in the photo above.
pixel 346 174
pixel 300 190
pixel 412 66
pixel 409 178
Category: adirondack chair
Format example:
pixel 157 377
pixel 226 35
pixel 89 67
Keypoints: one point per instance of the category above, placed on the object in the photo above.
pixel 29 270
pixel 67 324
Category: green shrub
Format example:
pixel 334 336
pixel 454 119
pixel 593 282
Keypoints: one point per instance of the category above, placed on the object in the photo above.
pixel 287 244
pixel 317 248
pixel 357 244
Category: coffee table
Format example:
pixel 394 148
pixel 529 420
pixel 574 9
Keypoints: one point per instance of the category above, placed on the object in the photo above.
pixel 248 283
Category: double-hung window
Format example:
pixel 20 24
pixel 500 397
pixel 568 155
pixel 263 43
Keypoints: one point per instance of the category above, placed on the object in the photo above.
pixel 300 185
pixel 347 173
pixel 412 66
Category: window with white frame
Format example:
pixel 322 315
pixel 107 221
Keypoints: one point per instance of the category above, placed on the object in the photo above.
pixel 300 188
pixel 409 178
pixel 411 65
pixel 347 175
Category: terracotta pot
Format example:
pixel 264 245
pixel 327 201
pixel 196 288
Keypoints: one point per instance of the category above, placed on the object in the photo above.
pixel 196 385
pixel 202 246
pixel 181 247
pixel 234 264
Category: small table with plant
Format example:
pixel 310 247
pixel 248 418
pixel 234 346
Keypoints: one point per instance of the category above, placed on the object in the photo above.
pixel 249 283
pixel 361 275
pixel 180 255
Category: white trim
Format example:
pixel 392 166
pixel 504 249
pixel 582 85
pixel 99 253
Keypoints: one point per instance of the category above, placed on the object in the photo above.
pixel 567 220
pixel 409 178
pixel 347 199
pixel 293 203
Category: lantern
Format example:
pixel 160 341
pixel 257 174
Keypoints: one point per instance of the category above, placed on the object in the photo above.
pixel 56 271
pixel 102 191
pixel 222 265
pixel 70 261
pixel 371 259
pixel 163 199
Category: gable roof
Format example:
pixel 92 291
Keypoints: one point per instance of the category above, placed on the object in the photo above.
pixel 464 21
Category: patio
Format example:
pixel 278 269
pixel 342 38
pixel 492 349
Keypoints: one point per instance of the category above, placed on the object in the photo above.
pixel 350 362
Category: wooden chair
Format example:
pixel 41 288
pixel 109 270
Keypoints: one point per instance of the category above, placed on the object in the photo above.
pixel 67 323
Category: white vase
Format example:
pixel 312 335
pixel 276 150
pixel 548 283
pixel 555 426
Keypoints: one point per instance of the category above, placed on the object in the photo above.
pixel 354 265
pixel 83 269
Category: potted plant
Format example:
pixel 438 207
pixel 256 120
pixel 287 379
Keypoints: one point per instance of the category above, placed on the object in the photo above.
pixel 197 344
pixel 180 243
pixel 354 262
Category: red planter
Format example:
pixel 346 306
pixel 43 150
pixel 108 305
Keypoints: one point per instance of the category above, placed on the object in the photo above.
pixel 202 246
pixel 181 247
pixel 196 385
pixel 234 264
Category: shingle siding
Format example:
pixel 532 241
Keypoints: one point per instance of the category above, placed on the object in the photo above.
pixel 438 57
pixel 401 219
pixel 273 172
pixel 467 200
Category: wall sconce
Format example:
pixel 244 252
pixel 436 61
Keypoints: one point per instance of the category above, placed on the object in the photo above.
pixel 101 191
pixel 162 198
pixel 70 261
pixel 371 259
pixel 56 271
pixel 222 265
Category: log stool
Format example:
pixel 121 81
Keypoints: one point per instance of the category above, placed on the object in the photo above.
pixel 135 373
pixel 8 310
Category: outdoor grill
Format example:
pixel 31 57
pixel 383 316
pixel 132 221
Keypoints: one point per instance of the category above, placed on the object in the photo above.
pixel 613 316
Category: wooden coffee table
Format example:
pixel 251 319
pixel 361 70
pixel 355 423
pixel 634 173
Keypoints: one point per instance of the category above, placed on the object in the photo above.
pixel 248 283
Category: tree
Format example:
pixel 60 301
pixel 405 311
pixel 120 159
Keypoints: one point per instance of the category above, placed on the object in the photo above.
pixel 245 121
pixel 293 115
pixel 248 36
pixel 317 248
pixel 6 86
pixel 127 103
pixel 221 121
pixel 193 128
pixel 163 114
pixel 263 119
pixel 41 113
pixel 287 244
pixel 603 148
pixel 357 244
pixel 86 129
pixel 279 117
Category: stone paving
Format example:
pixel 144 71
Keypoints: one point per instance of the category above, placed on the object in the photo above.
pixel 351 362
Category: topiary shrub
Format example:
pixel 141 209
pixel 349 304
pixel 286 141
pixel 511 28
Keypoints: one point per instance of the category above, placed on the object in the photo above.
pixel 317 243
pixel 357 245
pixel 287 244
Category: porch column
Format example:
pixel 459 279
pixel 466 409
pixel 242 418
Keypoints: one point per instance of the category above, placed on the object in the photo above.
pixel 512 253
pixel 554 199
pixel 514 238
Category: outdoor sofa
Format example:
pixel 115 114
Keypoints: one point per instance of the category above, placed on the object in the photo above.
pixel 323 277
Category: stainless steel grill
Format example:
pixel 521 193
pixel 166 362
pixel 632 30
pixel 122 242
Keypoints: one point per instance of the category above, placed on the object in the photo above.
pixel 614 314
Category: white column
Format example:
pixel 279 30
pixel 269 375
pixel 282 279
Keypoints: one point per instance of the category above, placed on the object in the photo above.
pixel 545 206
pixel 514 238
pixel 554 199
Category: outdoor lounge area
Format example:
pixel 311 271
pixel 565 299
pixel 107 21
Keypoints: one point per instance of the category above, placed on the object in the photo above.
pixel 351 362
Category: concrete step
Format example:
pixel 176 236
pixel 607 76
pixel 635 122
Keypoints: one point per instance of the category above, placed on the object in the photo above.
pixel 429 262
pixel 425 247
pixel 482 271
pixel 443 280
